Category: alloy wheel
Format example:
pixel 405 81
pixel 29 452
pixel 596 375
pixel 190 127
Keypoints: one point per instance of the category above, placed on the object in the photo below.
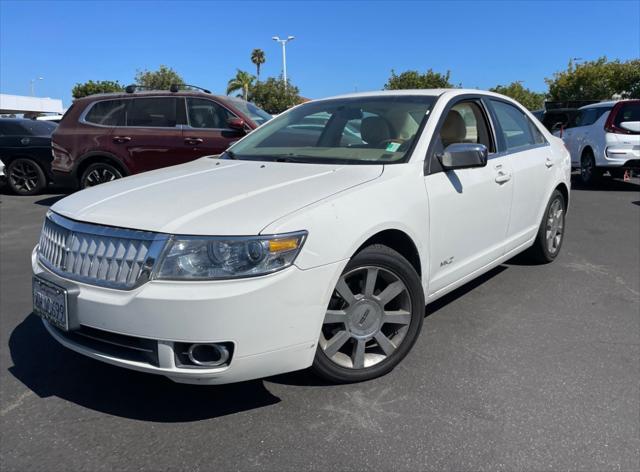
pixel 24 176
pixel 586 168
pixel 555 226
pixel 99 175
pixel 367 319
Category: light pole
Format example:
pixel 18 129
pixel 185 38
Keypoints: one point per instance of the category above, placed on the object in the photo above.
pixel 33 86
pixel 284 42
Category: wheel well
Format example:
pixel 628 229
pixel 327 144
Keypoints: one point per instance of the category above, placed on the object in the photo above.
pixel 562 188
pixel 585 150
pixel 398 241
pixel 99 158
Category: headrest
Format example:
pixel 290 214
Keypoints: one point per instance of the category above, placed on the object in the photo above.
pixel 454 129
pixel 374 130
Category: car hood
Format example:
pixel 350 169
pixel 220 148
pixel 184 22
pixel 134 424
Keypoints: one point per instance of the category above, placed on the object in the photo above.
pixel 212 196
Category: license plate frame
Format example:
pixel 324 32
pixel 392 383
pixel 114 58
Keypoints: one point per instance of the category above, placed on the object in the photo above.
pixel 50 302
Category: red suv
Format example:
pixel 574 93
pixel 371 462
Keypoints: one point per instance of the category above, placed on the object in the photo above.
pixel 108 136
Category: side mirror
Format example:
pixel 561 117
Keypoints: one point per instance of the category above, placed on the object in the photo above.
pixel 463 156
pixel 631 126
pixel 236 123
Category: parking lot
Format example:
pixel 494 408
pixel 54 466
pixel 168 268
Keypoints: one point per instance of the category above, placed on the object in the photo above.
pixel 529 367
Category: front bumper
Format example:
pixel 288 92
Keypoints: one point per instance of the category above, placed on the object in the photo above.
pixel 272 321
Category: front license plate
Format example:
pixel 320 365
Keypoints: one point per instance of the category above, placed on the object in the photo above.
pixel 50 303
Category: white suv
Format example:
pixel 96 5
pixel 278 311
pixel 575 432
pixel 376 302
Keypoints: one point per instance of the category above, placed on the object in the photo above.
pixel 303 245
pixel 605 137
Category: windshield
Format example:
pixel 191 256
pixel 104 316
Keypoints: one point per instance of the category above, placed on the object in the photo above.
pixel 257 114
pixel 358 130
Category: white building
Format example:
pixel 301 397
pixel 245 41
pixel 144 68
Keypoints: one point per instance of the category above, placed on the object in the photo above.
pixel 19 104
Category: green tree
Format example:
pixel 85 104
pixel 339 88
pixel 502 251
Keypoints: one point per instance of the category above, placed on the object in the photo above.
pixel 600 79
pixel 273 97
pixel 160 79
pixel 242 81
pixel 530 99
pixel 258 58
pixel 91 87
pixel 412 79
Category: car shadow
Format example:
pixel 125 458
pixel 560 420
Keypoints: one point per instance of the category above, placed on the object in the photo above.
pixel 606 183
pixel 48 201
pixel 49 369
pixel 306 378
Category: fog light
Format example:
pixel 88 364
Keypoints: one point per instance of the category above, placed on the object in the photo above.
pixel 209 355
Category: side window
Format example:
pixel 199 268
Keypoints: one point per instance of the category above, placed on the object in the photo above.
pixel 207 114
pixel 107 113
pixel 154 112
pixel 516 127
pixel 465 123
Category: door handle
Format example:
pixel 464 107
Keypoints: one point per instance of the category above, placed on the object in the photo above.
pixel 193 140
pixel 121 139
pixel 548 162
pixel 503 177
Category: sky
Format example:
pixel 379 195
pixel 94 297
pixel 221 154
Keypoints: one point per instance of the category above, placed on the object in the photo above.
pixel 339 47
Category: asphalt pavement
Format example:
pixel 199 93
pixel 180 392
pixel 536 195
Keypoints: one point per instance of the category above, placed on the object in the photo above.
pixel 527 368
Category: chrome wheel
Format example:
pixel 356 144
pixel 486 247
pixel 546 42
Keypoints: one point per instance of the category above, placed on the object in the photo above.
pixel 24 176
pixel 368 318
pixel 555 226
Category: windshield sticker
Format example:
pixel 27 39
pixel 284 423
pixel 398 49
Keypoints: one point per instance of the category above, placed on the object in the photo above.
pixel 392 147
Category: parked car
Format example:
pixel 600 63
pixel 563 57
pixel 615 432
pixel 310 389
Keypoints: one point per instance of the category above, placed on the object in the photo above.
pixel 108 136
pixel 605 137
pixel 275 258
pixel 52 118
pixel 25 150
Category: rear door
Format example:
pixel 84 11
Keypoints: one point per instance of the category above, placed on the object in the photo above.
pixel 532 166
pixel 468 208
pixel 207 131
pixel 152 135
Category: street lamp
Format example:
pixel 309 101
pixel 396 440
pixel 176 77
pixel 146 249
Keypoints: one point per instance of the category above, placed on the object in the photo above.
pixel 284 42
pixel 33 86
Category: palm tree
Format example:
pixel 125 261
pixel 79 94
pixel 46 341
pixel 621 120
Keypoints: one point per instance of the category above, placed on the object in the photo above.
pixel 242 81
pixel 257 57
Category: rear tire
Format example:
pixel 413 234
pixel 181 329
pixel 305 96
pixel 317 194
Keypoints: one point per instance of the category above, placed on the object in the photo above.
pixel 99 173
pixel 589 174
pixel 551 232
pixel 25 177
pixel 373 319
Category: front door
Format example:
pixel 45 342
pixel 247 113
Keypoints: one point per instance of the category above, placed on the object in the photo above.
pixel 468 208
pixel 207 132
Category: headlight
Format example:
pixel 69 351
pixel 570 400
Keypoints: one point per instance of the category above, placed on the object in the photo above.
pixel 195 258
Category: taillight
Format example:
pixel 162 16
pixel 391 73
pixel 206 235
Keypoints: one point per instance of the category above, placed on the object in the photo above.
pixel 610 125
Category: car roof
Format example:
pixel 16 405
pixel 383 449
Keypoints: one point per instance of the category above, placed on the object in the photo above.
pixel 600 104
pixel 423 92
pixel 154 93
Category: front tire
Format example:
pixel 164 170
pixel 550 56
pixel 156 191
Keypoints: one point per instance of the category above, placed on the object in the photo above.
pixel 373 319
pixel 551 232
pixel 99 173
pixel 25 177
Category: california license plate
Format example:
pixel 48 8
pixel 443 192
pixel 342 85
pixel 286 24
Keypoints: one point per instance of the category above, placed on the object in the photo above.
pixel 50 303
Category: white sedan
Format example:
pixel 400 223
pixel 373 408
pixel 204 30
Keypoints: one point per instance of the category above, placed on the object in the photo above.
pixel 303 245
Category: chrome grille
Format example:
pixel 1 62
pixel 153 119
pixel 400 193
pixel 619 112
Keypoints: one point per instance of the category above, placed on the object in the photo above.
pixel 98 255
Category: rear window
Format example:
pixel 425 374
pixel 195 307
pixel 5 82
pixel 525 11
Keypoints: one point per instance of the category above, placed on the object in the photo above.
pixel 107 113
pixel 627 112
pixel 27 128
